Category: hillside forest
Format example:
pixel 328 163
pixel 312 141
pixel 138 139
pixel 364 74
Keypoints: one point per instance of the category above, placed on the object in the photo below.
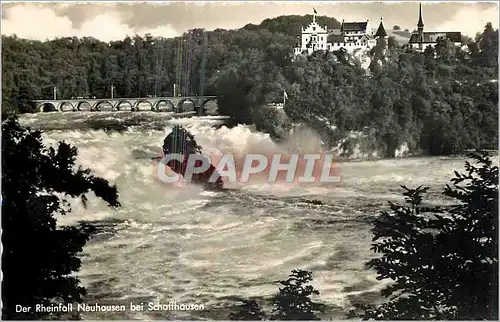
pixel 439 102
pixel 441 262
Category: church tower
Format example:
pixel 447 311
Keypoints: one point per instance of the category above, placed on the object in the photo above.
pixel 420 28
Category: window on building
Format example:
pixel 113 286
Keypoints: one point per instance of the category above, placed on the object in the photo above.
pixel 314 28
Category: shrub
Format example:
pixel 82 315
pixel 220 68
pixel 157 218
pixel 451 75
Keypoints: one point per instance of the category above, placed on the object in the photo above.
pixel 443 261
pixel 293 301
pixel 38 257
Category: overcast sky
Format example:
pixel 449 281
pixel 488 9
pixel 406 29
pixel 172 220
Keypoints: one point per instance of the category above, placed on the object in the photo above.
pixel 113 21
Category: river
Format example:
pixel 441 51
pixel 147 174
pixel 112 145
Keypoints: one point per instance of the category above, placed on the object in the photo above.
pixel 193 246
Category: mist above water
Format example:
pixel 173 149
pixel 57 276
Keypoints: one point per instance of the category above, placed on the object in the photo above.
pixel 190 245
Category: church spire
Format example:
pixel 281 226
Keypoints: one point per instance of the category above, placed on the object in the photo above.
pixel 420 29
pixel 420 23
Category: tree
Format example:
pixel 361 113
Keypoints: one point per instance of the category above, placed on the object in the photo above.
pixel 396 27
pixel 443 261
pixel 270 120
pixel 249 310
pixel 290 25
pixel 488 44
pixel 22 100
pixel 250 67
pixel 38 257
pixel 392 42
pixel 293 301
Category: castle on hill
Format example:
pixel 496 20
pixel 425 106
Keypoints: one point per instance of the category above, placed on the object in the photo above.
pixel 351 36
pixel 354 36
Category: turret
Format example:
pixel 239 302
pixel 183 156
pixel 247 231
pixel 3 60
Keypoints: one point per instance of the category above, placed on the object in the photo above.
pixel 381 30
pixel 381 34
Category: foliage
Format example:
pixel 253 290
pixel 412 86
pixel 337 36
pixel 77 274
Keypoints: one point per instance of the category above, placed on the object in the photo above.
pixel 249 310
pixel 291 25
pixel 392 43
pixel 443 261
pixel 405 96
pixel 409 96
pixel 292 302
pixel 38 257
pixel 269 119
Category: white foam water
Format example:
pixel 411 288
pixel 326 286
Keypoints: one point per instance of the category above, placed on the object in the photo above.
pixel 193 246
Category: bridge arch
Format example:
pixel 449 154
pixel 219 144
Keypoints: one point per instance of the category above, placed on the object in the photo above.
pixel 136 106
pixel 97 105
pixel 79 105
pixel 170 106
pixel 48 107
pixel 117 106
pixel 180 105
pixel 61 107
pixel 204 107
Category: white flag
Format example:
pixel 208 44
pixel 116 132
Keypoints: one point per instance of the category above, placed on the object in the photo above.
pixel 285 94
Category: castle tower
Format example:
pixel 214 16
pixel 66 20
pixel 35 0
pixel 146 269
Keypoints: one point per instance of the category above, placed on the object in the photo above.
pixel 381 34
pixel 420 28
pixel 381 30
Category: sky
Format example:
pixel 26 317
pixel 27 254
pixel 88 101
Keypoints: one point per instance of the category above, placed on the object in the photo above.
pixel 114 20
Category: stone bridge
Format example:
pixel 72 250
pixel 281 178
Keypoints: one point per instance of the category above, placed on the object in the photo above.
pixel 159 104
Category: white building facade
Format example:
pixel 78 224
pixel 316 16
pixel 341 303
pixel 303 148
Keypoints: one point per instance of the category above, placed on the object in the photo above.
pixel 351 36
pixel 313 37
